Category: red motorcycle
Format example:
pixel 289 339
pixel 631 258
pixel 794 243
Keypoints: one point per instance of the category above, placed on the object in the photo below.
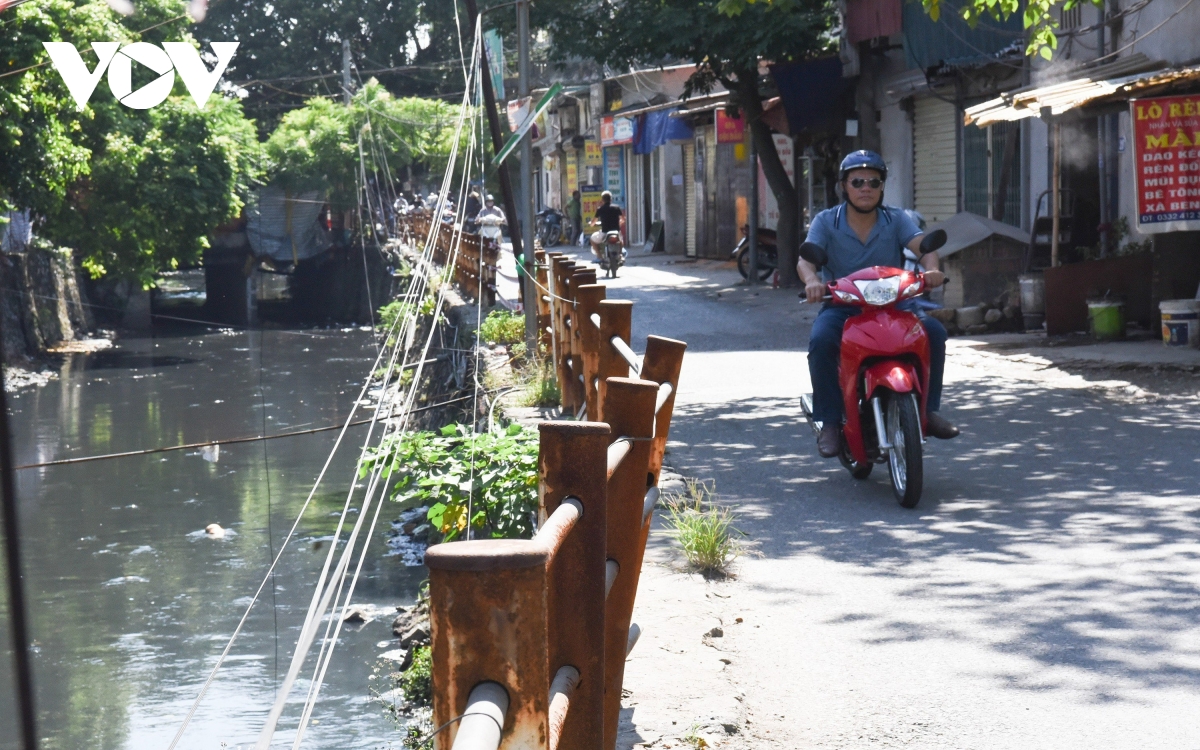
pixel 884 371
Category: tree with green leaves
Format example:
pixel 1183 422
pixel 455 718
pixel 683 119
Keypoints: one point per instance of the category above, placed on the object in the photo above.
pixel 291 50
pixel 317 147
pixel 133 191
pixel 1037 15
pixel 726 49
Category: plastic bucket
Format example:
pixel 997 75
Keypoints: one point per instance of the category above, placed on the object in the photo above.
pixel 1180 322
pixel 1033 293
pixel 1107 318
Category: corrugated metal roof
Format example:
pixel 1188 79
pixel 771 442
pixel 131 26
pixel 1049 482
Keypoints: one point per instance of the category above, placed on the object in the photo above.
pixel 1062 97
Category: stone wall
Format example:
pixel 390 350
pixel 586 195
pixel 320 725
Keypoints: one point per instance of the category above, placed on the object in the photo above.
pixel 43 301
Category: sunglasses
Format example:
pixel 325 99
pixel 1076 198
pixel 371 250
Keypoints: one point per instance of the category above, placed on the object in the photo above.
pixel 875 183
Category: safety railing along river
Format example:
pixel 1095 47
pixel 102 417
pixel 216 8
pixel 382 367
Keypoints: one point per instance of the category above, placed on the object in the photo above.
pixel 475 263
pixel 530 637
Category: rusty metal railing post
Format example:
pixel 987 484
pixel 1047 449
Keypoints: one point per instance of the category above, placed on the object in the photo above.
pixel 616 319
pixel 543 300
pixel 572 464
pixel 661 364
pixel 487 612
pixel 579 277
pixel 589 298
pixel 629 404
pixel 562 268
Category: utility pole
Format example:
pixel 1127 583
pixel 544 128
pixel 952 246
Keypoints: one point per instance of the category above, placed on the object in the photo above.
pixel 523 74
pixel 489 100
pixel 752 233
pixel 19 628
pixel 346 71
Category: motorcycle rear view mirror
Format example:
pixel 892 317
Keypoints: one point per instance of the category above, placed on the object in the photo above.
pixel 933 241
pixel 815 254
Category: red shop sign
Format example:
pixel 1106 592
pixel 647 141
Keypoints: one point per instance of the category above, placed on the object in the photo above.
pixel 1166 152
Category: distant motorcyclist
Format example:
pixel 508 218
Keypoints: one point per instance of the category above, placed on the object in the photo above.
pixel 490 219
pixel 610 218
pixel 860 233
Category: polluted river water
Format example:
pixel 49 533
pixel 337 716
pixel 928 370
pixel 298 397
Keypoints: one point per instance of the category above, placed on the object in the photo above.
pixel 131 601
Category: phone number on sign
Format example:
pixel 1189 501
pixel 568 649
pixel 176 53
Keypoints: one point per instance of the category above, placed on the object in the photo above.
pixel 1175 216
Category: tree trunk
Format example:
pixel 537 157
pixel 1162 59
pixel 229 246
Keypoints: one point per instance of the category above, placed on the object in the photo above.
pixel 788 231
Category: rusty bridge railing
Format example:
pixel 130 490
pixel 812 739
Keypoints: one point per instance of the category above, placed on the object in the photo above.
pixel 475 264
pixel 530 637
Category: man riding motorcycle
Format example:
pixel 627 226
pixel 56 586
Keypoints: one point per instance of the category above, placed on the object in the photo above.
pixel 609 217
pixel 860 233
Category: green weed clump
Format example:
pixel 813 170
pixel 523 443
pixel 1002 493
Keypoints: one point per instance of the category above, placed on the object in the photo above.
pixel 503 327
pixel 416 682
pixel 490 477
pixel 704 530
pixel 398 309
pixel 539 384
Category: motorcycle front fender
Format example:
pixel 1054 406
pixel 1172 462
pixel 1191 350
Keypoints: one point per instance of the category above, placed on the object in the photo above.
pixel 898 377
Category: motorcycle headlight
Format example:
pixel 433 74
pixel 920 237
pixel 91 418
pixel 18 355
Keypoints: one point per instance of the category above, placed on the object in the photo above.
pixel 879 291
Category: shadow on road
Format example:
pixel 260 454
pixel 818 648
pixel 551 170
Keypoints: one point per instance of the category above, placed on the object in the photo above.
pixel 1064 524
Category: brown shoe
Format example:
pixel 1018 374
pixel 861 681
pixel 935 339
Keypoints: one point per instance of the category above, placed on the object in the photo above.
pixel 829 442
pixel 940 427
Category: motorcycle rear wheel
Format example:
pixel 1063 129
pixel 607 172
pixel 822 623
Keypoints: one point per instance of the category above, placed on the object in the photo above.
pixel 765 266
pixel 905 459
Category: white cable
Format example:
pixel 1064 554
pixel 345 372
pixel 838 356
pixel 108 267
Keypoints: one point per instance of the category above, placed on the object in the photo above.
pixel 325 592
pixel 373 485
pixel 237 630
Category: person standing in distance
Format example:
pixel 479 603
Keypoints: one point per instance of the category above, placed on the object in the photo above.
pixel 575 216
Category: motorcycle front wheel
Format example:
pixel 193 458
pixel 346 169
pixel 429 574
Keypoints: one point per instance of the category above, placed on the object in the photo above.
pixel 905 459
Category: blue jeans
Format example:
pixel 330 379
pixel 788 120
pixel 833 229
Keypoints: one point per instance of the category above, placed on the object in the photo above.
pixel 824 354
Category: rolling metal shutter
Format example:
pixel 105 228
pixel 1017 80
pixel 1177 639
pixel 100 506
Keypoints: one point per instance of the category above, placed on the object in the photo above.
pixel 689 199
pixel 935 163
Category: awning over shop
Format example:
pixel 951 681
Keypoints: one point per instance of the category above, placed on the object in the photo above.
pixel 813 91
pixel 657 127
pixel 1079 92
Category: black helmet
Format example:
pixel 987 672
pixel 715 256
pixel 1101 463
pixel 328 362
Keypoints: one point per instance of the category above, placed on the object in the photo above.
pixel 863 160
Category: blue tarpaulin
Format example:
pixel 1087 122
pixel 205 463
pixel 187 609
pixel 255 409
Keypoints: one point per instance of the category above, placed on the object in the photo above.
pixel 951 40
pixel 813 92
pixel 655 128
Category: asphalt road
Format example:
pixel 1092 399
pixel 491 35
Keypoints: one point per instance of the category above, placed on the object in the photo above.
pixel 1044 594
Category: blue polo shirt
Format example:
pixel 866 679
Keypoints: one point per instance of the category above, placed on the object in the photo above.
pixel 847 253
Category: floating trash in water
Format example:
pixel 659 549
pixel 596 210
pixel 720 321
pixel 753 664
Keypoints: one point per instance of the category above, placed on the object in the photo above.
pixel 214 530
pixel 211 453
pixel 126 579
pixel 144 549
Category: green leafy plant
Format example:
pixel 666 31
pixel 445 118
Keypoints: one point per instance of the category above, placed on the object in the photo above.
pixel 503 327
pixel 704 530
pixel 492 476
